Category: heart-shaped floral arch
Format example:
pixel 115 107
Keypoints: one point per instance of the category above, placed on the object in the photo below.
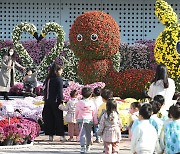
pixel 22 52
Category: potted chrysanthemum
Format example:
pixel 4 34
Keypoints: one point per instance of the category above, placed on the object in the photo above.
pixel 9 133
pixel 2 137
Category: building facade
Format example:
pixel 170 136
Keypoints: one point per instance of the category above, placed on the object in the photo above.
pixel 135 18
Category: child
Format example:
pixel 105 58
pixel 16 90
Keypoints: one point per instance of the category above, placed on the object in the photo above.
pixel 156 122
pixel 172 132
pixel 97 101
pixel 97 97
pixel 30 81
pixel 70 116
pixel 134 111
pixel 109 128
pixel 176 96
pixel 86 116
pixel 144 136
pixel 160 99
pixel 105 94
pixel 163 114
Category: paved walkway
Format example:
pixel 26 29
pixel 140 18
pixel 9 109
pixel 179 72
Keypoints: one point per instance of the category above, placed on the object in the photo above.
pixel 43 146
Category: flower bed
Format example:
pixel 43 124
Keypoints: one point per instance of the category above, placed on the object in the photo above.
pixel 18 88
pixel 16 131
pixel 27 107
pixel 78 87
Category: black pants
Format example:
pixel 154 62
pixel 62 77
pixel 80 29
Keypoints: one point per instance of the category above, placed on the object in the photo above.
pixel 53 119
pixel 5 94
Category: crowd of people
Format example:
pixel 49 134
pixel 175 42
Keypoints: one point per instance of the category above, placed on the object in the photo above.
pixel 154 127
pixel 7 75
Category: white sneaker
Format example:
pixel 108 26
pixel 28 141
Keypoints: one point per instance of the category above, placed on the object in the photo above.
pixel 63 139
pixel 88 148
pixel 83 150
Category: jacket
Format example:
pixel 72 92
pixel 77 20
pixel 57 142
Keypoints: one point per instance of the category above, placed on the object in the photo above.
pixel 86 111
pixel 110 127
pixel 70 108
pixel 158 89
pixel 6 78
pixel 53 91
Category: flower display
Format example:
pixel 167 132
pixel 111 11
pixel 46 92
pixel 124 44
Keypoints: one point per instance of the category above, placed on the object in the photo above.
pixel 116 58
pixel 165 13
pixel 55 51
pixel 94 38
pixel 24 55
pixel 130 82
pixel 165 47
pixel 135 56
pixel 16 36
pixel 150 49
pixel 78 87
pixel 18 130
pixel 92 70
pixel 26 108
pixel 70 62
pixel 2 137
pixel 94 35
pixel 32 126
pixel 17 89
pixel 5 122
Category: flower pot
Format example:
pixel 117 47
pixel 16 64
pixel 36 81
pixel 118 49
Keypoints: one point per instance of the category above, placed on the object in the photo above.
pixel 29 142
pixel 8 142
pixel 2 143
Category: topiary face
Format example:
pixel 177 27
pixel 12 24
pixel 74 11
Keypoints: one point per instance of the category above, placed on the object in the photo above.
pixel 166 51
pixel 94 35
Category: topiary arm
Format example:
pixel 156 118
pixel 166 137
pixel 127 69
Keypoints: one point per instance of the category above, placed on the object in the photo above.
pixel 165 13
pixel 16 37
pixel 50 58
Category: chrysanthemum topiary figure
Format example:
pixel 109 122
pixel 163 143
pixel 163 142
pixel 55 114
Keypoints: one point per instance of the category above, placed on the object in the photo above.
pixel 166 43
pixel 95 38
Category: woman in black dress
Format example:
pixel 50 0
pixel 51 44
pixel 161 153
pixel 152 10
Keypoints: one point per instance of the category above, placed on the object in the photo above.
pixel 53 96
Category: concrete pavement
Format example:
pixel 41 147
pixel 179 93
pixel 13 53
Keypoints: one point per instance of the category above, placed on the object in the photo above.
pixel 43 146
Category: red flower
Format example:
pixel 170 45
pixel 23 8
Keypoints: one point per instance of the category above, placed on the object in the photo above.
pixel 99 35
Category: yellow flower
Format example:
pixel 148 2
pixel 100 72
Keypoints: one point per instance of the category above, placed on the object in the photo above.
pixel 165 48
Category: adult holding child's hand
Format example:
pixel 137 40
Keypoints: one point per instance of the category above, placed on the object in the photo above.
pixel 53 97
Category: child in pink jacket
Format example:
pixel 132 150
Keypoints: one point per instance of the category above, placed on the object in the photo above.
pixel 86 116
pixel 70 116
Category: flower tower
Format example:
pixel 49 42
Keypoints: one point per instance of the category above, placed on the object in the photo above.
pixel 95 39
pixel 166 43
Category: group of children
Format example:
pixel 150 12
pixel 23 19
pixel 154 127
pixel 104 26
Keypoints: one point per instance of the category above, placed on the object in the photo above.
pixel 155 130
pixel 152 130
pixel 96 110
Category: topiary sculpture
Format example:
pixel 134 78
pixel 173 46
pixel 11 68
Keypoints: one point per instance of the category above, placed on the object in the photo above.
pixel 95 38
pixel 166 47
